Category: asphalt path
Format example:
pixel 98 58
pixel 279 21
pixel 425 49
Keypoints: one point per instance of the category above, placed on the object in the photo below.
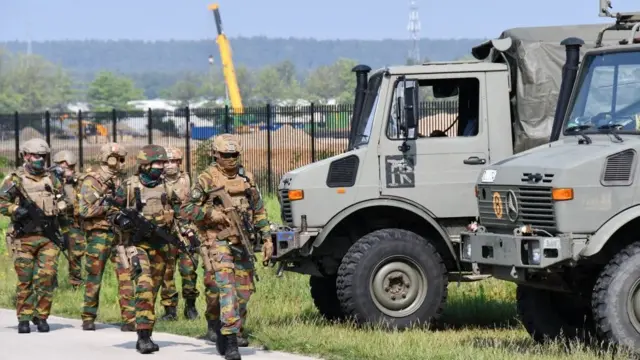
pixel 67 341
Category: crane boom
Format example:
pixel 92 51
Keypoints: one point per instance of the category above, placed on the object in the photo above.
pixel 227 63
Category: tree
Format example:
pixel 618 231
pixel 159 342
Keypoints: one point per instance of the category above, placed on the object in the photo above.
pixel 29 83
pixel 334 81
pixel 185 90
pixel 108 91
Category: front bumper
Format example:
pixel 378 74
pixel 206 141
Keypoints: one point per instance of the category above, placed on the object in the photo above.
pixel 518 251
pixel 291 242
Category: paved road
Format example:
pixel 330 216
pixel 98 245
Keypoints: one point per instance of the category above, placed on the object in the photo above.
pixel 66 341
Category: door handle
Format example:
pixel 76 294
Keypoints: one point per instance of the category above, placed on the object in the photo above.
pixel 474 160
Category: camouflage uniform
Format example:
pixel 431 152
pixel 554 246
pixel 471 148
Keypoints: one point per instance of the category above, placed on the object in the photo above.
pixel 35 256
pixel 65 162
pixel 156 205
pixel 178 183
pixel 93 218
pixel 232 278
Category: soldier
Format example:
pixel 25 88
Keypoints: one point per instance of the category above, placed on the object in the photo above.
pixel 94 185
pixel 231 263
pixel 147 192
pixel 65 162
pixel 180 184
pixel 35 255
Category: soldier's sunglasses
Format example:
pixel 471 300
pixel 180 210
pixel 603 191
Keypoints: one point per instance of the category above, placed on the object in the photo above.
pixel 229 155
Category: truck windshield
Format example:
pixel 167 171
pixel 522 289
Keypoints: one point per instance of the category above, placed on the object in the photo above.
pixel 608 94
pixel 365 123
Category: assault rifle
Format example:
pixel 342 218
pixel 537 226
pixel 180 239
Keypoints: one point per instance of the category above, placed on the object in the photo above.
pixel 38 220
pixel 219 196
pixel 132 219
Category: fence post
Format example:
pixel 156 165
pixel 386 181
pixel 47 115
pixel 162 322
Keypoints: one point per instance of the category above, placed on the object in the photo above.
pixel 47 132
pixel 313 133
pixel 187 144
pixel 149 127
pixel 269 151
pixel 114 125
pixel 227 117
pixel 80 136
pixel 16 132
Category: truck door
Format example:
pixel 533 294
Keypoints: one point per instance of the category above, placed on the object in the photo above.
pixel 439 168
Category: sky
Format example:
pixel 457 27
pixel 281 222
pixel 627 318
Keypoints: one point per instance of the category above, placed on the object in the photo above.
pixel 326 19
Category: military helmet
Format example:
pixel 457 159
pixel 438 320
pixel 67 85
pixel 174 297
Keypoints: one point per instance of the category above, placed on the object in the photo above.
pixel 151 153
pixel 65 155
pixel 226 143
pixel 112 149
pixel 35 146
pixel 173 153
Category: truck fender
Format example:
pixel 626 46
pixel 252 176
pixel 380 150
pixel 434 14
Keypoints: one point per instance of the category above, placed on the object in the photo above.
pixel 402 204
pixel 606 231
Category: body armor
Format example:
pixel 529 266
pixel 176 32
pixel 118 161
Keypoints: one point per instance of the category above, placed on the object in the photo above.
pixel 101 177
pixel 155 205
pixel 36 189
pixel 181 187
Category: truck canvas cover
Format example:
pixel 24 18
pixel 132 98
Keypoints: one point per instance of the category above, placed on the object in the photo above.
pixel 536 59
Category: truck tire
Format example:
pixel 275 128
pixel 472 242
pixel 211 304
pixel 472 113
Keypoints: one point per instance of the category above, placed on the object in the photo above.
pixel 325 297
pixel 616 301
pixel 549 315
pixel 394 278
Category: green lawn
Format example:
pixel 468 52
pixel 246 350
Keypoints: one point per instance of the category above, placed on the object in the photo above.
pixel 479 322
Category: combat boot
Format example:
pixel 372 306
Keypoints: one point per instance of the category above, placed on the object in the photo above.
pixel 35 320
pixel 155 346
pixel 43 327
pixel 24 327
pixel 190 311
pixel 221 342
pixel 128 327
pixel 212 327
pixel 170 313
pixel 144 345
pixel 88 325
pixel 242 341
pixel 232 352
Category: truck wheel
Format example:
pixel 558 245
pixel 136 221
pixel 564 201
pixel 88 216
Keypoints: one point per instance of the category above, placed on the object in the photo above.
pixel 325 297
pixel 616 299
pixel 549 315
pixel 392 277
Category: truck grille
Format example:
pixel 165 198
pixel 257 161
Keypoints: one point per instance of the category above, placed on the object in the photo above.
pixel 534 205
pixel 285 207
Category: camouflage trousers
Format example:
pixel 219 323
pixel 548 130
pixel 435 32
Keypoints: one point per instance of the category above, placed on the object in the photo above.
pixel 153 262
pixel 36 266
pixel 229 288
pixel 77 245
pixel 99 249
pixel 187 269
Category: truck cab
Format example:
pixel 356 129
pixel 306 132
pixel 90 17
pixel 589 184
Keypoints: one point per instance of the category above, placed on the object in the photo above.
pixel 561 220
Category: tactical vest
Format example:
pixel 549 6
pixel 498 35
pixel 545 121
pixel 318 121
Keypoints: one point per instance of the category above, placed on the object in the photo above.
pixel 152 201
pixel 36 188
pixel 236 188
pixel 181 186
pixel 98 222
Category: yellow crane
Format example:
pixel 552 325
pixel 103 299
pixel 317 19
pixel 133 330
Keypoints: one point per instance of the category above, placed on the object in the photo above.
pixel 227 63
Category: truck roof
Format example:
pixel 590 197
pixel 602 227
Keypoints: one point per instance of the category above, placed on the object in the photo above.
pixel 434 67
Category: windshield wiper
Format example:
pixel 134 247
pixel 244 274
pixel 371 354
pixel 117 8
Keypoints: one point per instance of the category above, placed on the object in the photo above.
pixel 579 129
pixel 612 130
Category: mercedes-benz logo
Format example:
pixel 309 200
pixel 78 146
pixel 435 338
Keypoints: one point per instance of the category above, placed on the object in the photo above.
pixel 512 206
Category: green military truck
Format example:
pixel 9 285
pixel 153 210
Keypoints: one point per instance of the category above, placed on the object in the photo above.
pixel 377 227
pixel 561 220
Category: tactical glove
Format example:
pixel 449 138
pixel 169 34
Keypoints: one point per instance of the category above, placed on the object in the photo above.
pixel 218 217
pixel 122 222
pixel 20 214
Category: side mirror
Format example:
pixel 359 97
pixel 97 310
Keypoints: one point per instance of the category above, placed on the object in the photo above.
pixel 410 104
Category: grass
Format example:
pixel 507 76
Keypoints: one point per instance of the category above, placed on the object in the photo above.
pixel 479 322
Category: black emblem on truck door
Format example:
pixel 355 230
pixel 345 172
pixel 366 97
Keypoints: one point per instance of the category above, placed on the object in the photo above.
pixel 399 171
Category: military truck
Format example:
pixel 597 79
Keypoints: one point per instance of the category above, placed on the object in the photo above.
pixel 377 227
pixel 561 220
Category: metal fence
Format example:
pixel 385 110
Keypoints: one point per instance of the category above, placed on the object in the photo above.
pixel 275 139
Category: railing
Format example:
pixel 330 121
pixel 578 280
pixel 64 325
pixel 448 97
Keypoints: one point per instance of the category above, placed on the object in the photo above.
pixel 275 139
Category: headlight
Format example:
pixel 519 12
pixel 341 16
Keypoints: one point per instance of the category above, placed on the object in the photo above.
pixel 466 250
pixel 533 248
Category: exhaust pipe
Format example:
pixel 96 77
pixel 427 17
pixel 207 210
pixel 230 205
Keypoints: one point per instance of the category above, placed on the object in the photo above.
pixel 362 72
pixel 569 72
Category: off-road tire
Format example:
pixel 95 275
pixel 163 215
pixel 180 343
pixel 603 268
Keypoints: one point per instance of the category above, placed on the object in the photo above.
pixel 355 271
pixel 609 298
pixel 325 297
pixel 550 315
